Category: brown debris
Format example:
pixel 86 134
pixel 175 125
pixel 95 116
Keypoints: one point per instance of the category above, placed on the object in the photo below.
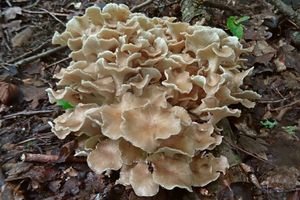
pixel 9 93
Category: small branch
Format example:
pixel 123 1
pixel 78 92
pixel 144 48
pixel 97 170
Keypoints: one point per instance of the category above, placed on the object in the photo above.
pixel 137 7
pixel 59 61
pixel 44 13
pixel 38 56
pixel 8 3
pixel 44 158
pixel 219 6
pixel 246 152
pixel 287 11
pixel 27 113
pixel 54 17
pixel 30 52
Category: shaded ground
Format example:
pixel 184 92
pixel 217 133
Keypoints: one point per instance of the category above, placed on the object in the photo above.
pixel 263 145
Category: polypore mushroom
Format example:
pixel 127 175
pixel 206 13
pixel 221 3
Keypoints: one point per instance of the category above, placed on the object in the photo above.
pixel 149 93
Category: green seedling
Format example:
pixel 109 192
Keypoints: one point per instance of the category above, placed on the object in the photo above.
pixel 291 130
pixel 268 123
pixel 234 24
pixel 64 104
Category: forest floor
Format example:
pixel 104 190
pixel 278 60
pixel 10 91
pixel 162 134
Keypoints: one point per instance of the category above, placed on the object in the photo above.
pixel 262 145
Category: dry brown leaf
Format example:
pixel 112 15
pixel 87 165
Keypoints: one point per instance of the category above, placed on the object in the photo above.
pixel 22 37
pixel 8 93
pixel 12 12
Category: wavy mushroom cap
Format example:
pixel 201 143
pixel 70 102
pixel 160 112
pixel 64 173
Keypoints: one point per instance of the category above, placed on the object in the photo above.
pixel 147 95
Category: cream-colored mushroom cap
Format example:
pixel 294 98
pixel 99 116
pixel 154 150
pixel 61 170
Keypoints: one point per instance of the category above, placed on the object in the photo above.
pixel 148 94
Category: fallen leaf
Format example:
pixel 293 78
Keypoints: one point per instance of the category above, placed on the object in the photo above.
pixel 22 37
pixel 66 151
pixel 265 58
pixel 237 190
pixel 262 47
pixel 9 93
pixel 12 26
pixel 191 9
pixel 8 72
pixel 255 146
pixel 34 94
pixel 282 178
pixel 55 185
pixel 71 186
pixel 12 12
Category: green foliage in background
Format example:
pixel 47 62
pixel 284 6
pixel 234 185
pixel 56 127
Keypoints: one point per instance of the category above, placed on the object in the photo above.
pixel 268 123
pixel 234 24
pixel 291 130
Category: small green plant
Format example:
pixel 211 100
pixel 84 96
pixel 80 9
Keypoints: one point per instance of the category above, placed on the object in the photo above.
pixel 234 24
pixel 291 130
pixel 269 123
pixel 64 104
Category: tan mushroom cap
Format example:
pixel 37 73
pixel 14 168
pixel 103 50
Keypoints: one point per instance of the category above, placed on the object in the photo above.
pixel 207 169
pixel 77 121
pixel 112 114
pixel 171 171
pixel 143 126
pixel 191 139
pixel 141 180
pixel 106 156
pixel 131 154
pixel 148 93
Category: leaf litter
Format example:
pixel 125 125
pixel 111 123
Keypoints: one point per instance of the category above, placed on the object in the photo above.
pixel 271 152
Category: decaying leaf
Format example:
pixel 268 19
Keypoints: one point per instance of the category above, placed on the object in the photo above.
pixel 12 12
pixel 9 93
pixel 21 38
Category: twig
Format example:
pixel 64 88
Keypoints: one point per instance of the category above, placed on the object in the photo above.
pixel 250 173
pixel 43 13
pixel 246 152
pixel 30 52
pixel 287 11
pixel 219 6
pixel 32 5
pixel 287 105
pixel 35 57
pixel 57 62
pixel 137 7
pixel 44 158
pixel 27 113
pixel 8 3
pixel 54 17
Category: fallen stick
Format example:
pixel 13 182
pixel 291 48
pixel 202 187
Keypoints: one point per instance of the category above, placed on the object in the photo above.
pixel 44 158
pixel 54 17
pixel 287 11
pixel 137 7
pixel 219 6
pixel 57 62
pixel 30 52
pixel 44 13
pixel 27 113
pixel 29 157
pixel 38 56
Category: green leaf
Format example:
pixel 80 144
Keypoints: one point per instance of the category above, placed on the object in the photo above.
pixel 242 19
pixel 291 130
pixel 64 104
pixel 235 26
pixel 268 123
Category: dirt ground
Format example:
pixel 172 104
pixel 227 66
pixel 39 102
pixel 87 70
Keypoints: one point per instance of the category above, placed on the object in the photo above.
pixel 262 145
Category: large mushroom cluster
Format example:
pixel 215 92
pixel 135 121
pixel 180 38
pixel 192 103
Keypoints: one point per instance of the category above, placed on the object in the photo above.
pixel 147 95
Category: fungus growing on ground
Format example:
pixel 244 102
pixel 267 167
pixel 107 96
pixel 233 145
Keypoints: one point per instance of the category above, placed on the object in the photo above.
pixel 147 95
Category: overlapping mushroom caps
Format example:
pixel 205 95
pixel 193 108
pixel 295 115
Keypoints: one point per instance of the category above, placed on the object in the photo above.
pixel 148 93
